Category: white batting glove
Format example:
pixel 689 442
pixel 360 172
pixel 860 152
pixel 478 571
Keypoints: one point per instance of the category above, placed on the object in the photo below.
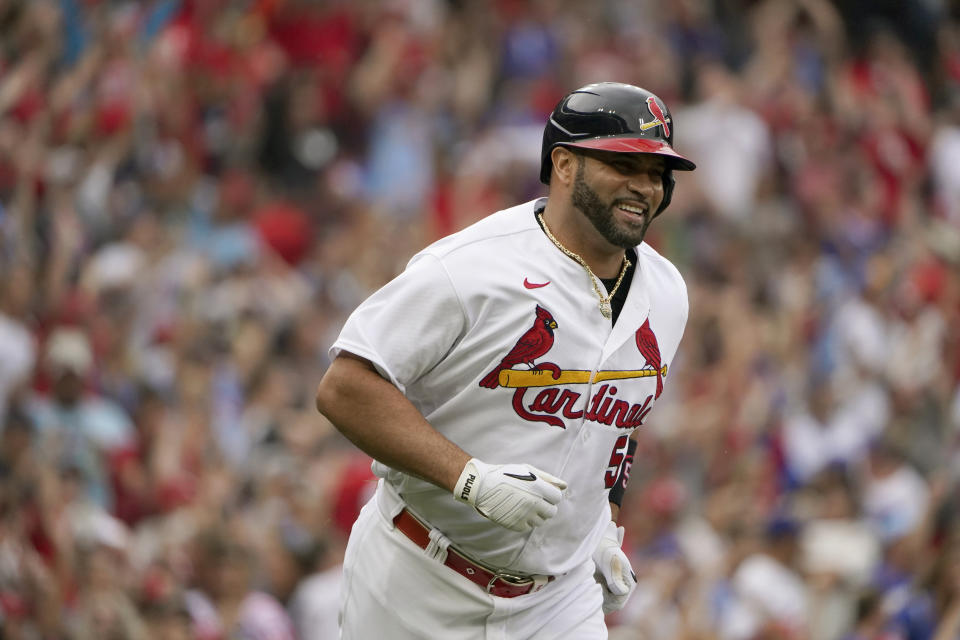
pixel 516 496
pixel 614 573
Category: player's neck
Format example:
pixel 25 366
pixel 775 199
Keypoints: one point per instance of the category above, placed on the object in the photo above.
pixel 572 229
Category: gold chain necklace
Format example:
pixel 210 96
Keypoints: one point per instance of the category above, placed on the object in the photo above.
pixel 605 307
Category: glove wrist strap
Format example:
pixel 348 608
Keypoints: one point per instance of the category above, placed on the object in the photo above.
pixel 468 485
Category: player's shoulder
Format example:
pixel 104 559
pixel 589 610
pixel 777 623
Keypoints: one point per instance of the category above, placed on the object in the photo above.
pixel 659 268
pixel 663 279
pixel 498 229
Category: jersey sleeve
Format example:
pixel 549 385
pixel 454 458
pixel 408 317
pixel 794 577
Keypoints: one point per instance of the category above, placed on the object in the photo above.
pixel 409 325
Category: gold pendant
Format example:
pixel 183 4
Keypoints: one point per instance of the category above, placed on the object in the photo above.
pixel 605 308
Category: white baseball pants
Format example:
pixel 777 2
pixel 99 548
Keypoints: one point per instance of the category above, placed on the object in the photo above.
pixel 391 589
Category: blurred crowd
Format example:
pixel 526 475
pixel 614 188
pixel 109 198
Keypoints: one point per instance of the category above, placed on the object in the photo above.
pixel 195 194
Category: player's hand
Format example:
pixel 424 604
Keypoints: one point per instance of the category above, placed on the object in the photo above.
pixel 614 573
pixel 516 496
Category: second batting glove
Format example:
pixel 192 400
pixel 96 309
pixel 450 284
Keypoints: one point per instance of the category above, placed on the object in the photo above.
pixel 516 496
pixel 613 572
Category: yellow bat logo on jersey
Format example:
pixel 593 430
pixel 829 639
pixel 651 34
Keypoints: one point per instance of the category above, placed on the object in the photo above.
pixel 514 378
pixel 603 407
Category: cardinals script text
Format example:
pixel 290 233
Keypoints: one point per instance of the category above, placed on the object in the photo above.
pixel 603 407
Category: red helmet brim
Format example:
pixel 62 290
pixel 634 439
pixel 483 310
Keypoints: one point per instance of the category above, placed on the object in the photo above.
pixel 636 145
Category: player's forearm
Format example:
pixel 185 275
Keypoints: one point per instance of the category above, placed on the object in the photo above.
pixel 623 477
pixel 375 416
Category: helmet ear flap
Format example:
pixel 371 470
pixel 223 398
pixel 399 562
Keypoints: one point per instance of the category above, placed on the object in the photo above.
pixel 668 183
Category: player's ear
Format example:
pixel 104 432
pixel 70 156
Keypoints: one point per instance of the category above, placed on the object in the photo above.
pixel 564 165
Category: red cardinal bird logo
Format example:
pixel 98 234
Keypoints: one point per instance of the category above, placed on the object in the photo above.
pixel 657 113
pixel 534 343
pixel 650 350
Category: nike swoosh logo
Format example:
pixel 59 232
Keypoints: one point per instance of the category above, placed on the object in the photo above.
pixel 532 285
pixel 529 477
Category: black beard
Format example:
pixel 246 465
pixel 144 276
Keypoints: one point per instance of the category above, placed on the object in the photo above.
pixel 601 215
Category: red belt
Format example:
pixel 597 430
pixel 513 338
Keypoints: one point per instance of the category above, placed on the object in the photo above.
pixel 497 583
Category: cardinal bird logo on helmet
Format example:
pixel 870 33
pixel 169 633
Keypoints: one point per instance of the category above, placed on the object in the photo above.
pixel 534 343
pixel 658 118
pixel 650 350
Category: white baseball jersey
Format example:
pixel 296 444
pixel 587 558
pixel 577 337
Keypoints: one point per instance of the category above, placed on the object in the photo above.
pixel 452 319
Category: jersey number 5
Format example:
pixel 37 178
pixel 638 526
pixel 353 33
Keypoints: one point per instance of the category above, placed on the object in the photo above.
pixel 616 459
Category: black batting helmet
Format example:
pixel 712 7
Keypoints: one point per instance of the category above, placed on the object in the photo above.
pixel 611 116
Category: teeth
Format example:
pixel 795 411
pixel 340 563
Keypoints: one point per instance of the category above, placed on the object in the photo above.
pixel 632 209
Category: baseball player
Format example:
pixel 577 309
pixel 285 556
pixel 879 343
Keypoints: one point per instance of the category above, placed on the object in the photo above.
pixel 497 381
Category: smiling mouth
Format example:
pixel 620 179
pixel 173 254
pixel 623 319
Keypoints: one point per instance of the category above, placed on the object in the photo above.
pixel 633 209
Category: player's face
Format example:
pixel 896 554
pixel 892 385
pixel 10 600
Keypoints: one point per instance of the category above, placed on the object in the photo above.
pixel 619 193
